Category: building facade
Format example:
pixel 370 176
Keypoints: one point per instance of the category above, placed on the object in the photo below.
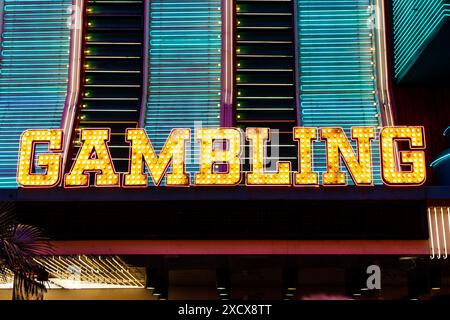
pixel 278 64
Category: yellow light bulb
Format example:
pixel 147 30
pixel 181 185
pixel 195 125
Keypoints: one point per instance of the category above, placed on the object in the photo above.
pixel 142 152
pixel 94 142
pixel 51 161
pixel 257 176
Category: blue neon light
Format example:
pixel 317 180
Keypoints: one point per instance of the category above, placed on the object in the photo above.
pixel 337 72
pixel 184 73
pixel 33 73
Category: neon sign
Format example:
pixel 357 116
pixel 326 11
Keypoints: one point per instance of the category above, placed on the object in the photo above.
pixel 224 146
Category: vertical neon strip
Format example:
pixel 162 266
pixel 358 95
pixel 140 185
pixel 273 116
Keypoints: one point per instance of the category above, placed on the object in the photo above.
pixel 436 225
pixel 448 220
pixel 70 107
pixel 431 237
pixel 185 69
pixel 337 69
pixel 146 65
pixel 227 63
pixel 439 231
pixel 383 75
pixel 448 223
pixel 34 73
pixel 444 233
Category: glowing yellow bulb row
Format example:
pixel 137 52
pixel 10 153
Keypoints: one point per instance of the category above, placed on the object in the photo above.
pixel 258 138
pixel 173 151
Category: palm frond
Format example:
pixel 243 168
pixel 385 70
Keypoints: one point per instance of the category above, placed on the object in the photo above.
pixel 25 243
pixel 31 240
pixel 7 219
pixel 7 226
pixel 19 245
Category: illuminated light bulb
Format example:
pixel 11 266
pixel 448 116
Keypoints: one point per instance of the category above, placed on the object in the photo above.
pixel 337 143
pixel 391 175
pixel 94 141
pixel 209 155
pixel 305 137
pixel 52 162
pixel 142 153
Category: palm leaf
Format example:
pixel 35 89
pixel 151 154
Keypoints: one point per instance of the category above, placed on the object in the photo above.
pixel 31 240
pixel 7 219
pixel 25 243
pixel 19 244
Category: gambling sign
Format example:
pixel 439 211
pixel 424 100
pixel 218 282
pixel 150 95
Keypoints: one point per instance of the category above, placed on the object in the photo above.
pixel 398 168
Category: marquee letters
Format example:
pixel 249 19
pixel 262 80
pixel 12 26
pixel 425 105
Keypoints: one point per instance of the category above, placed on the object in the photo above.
pixel 221 158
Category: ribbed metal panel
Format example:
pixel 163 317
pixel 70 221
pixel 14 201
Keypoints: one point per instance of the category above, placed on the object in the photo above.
pixel 337 68
pixel 185 68
pixel 265 74
pixel 111 86
pixel 33 73
pixel 415 24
